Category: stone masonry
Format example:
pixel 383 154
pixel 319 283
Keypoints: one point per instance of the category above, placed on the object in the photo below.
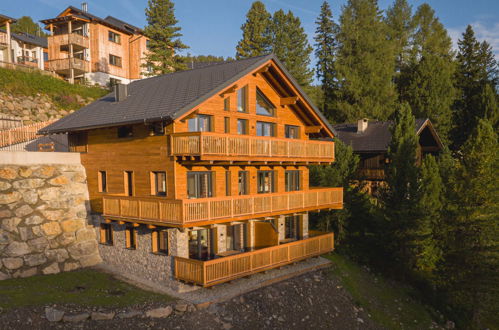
pixel 44 220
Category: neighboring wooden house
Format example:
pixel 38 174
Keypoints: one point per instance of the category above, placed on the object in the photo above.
pixel 6 38
pixel 370 140
pixel 87 48
pixel 209 166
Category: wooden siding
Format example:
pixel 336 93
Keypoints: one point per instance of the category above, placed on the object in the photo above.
pixel 208 273
pixel 190 212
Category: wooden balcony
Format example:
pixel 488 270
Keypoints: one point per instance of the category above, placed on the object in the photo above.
pixel 63 65
pixel 208 273
pixel 190 212
pixel 77 40
pixel 4 41
pixel 226 147
pixel 29 61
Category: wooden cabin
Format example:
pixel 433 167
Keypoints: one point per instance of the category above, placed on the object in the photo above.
pixel 370 140
pixel 86 48
pixel 208 166
pixel 6 38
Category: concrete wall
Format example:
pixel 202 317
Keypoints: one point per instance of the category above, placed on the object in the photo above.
pixel 44 215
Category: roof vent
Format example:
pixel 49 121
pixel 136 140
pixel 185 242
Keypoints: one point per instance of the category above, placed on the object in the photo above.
pixel 84 7
pixel 120 92
pixel 362 125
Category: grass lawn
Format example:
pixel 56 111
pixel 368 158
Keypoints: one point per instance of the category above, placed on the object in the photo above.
pixel 390 305
pixel 85 287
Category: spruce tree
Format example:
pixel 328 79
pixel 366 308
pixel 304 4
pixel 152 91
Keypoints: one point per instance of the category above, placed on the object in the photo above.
pixel 365 64
pixel 427 82
pixel 400 27
pixel 256 39
pixel 290 45
pixel 164 43
pixel 325 52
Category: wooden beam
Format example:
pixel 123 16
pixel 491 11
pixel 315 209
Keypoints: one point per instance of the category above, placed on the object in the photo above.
pixel 121 222
pixel 229 90
pixel 288 100
pixel 108 220
pixel 262 70
pixel 312 129
pixel 151 227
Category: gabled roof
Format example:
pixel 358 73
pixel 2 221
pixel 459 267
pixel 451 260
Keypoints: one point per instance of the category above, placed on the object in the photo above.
pixel 377 136
pixel 166 97
pixel 109 20
pixel 31 39
pixel 5 18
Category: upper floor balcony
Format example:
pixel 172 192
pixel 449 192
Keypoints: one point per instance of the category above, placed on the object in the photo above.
pixel 78 41
pixel 29 61
pixel 190 212
pixel 211 146
pixel 63 65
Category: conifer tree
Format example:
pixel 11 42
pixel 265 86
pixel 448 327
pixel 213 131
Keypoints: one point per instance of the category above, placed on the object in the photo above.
pixel 325 52
pixel 365 64
pixel 26 24
pixel 290 45
pixel 427 82
pixel 164 35
pixel 257 39
pixel 400 27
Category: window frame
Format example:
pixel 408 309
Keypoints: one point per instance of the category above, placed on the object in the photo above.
pixel 245 126
pixel 211 184
pixel 128 183
pixel 260 180
pixel 295 184
pixel 265 99
pixel 227 104
pixel 242 99
pixel 102 181
pixel 118 62
pixel 259 126
pixel 227 125
pixel 156 236
pixel 228 183
pixel 154 184
pixel 114 37
pixel 245 183
pixel 196 121
pixel 287 129
pixel 106 234
pixel 292 232
pixel 131 236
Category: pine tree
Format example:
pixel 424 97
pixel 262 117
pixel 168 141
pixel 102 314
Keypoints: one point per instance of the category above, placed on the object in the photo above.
pixel 400 27
pixel 427 82
pixel 476 69
pixel 365 64
pixel 472 258
pixel 164 45
pixel 290 45
pixel 256 40
pixel 325 52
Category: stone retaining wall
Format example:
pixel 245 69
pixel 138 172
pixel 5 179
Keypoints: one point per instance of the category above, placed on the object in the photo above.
pixel 45 226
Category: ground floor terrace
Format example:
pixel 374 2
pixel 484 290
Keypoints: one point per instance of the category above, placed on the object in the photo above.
pixel 208 255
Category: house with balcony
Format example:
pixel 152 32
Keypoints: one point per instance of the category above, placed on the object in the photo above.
pixel 6 38
pixel 201 176
pixel 86 48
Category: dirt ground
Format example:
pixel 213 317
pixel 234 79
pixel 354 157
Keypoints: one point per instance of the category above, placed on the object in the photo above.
pixel 314 300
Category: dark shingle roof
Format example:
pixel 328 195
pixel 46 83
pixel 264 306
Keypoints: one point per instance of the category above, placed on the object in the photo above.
pixel 122 25
pixel 31 39
pixel 376 137
pixel 164 97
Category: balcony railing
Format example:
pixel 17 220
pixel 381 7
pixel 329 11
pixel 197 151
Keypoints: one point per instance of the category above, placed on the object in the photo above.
pixel 188 211
pixel 208 273
pixel 215 146
pixel 26 60
pixel 64 64
pixel 69 38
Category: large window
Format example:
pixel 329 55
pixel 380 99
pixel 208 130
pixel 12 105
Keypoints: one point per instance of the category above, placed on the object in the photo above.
pixel 242 126
pixel 102 181
pixel 242 99
pixel 158 183
pixel 199 184
pixel 114 60
pixel 265 182
pixel 159 241
pixel 114 37
pixel 265 129
pixel 263 106
pixel 242 182
pixel 292 132
pixel 292 180
pixel 200 123
pixel 200 244
pixel 291 230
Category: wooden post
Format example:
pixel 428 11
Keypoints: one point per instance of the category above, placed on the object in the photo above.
pixel 71 69
pixel 9 43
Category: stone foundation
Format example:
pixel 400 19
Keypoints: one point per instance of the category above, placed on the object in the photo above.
pixel 44 227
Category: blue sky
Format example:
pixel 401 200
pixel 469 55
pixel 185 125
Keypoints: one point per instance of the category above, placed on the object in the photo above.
pixel 213 26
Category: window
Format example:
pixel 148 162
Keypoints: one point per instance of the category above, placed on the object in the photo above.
pixel 159 241
pixel 45 56
pixel 227 183
pixel 199 184
pixel 226 124
pixel 128 182
pixel 242 99
pixel 106 233
pixel 291 224
pixel 264 128
pixel 131 236
pixel 125 132
pixel 263 106
pixel 158 183
pixel 292 132
pixel 292 180
pixel 233 238
pixel 157 129
pixel 114 60
pixel 227 104
pixel 242 126
pixel 265 182
pixel 114 37
pixel 199 244
pixel 102 181
pixel 242 182
pixel 200 123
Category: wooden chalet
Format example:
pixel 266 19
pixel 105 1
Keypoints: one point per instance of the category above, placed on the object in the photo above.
pixel 370 140
pixel 211 164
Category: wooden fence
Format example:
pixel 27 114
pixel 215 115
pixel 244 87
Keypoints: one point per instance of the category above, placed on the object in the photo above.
pixel 11 137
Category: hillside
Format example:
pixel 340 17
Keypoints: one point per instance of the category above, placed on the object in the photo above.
pixel 35 97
